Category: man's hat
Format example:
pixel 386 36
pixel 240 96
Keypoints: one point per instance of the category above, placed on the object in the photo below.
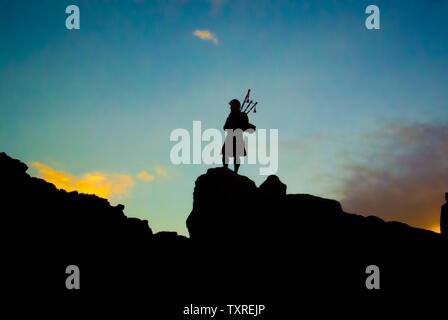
pixel 235 102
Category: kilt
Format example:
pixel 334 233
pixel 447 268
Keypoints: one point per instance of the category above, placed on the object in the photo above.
pixel 236 147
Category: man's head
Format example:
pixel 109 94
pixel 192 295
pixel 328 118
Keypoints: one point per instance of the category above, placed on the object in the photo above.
pixel 235 105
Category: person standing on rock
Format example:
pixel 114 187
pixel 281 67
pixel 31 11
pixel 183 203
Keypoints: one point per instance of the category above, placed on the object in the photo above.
pixel 237 122
pixel 444 218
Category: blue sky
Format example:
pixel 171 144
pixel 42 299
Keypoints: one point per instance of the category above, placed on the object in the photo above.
pixel 106 97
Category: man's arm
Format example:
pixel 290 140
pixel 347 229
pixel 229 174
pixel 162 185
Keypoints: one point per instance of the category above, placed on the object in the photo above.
pixel 251 126
pixel 227 124
pixel 246 125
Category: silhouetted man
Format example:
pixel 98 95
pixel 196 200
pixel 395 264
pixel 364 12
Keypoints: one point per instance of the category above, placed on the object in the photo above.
pixel 236 123
pixel 444 218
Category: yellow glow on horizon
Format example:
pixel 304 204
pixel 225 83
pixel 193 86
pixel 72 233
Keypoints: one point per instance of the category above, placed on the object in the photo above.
pixel 435 228
pixel 104 185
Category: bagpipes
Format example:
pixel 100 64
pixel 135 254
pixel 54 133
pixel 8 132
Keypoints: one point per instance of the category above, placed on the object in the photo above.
pixel 248 108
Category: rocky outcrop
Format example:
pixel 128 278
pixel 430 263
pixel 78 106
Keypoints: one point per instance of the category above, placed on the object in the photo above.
pixel 47 229
pixel 228 207
pixel 40 209
pixel 223 206
pixel 273 187
pixel 305 234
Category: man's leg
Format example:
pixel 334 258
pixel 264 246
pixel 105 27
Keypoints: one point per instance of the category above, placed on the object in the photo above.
pixel 236 165
pixel 225 162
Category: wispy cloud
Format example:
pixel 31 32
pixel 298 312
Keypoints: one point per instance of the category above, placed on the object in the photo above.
pixel 143 175
pixel 105 185
pixel 162 172
pixel 159 172
pixel 405 179
pixel 206 35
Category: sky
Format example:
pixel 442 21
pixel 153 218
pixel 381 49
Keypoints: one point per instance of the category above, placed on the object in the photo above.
pixel 362 115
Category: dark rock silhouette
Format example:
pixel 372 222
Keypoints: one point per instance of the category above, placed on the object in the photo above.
pixel 47 229
pixel 246 244
pixel 444 218
pixel 273 187
pixel 223 206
